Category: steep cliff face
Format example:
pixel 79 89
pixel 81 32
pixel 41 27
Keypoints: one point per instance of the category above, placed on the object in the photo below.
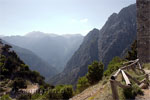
pixel 77 65
pixel 112 40
pixel 117 34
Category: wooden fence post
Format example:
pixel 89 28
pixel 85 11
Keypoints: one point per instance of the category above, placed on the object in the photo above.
pixel 147 77
pixel 139 65
pixel 125 78
pixel 113 77
pixel 114 90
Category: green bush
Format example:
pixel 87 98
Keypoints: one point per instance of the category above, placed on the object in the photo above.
pixel 54 94
pixel 131 92
pixel 5 97
pixel 35 96
pixel 60 92
pixel 24 67
pixel 95 72
pixel 24 97
pixel 19 83
pixel 82 84
pixel 67 91
pixel 113 65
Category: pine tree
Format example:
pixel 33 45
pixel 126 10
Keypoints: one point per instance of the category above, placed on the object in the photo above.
pixel 95 72
pixel 132 54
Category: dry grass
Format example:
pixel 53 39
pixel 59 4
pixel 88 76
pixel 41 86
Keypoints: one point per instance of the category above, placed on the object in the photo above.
pixel 147 66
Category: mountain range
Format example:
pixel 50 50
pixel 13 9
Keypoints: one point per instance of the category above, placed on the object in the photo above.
pixel 112 40
pixel 54 49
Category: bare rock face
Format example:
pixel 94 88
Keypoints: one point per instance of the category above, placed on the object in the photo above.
pixel 143 30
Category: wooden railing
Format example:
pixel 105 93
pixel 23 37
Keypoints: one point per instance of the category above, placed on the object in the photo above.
pixel 128 65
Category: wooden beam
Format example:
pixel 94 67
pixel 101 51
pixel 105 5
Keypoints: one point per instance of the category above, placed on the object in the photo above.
pixel 134 79
pixel 125 78
pixel 121 85
pixel 128 66
pixel 113 77
pixel 143 81
pixel 139 65
pixel 141 70
pixel 128 62
pixel 147 77
pixel 114 90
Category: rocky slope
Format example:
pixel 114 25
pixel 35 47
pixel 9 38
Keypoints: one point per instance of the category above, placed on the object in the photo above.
pixel 112 40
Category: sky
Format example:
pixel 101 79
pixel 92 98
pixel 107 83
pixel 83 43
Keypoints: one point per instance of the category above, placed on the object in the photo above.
pixel 19 17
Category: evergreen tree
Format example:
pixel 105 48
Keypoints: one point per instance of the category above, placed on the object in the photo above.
pixel 95 72
pixel 82 84
pixel 132 54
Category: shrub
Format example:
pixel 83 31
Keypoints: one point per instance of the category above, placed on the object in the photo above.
pixel 131 92
pixel 35 96
pixel 5 97
pixel 25 67
pixel 60 92
pixel 54 94
pixel 19 83
pixel 82 84
pixel 24 97
pixel 113 65
pixel 67 91
pixel 95 72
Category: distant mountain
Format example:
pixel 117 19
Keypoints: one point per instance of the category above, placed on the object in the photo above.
pixel 52 48
pixel 35 62
pixel 112 40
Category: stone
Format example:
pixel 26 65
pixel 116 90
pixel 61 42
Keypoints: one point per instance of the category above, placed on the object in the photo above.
pixel 143 30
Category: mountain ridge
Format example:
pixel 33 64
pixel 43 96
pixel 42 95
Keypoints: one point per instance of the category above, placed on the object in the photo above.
pixel 50 47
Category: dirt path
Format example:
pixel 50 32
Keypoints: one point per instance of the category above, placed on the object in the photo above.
pixel 87 93
pixel 31 89
pixel 99 91
pixel 146 95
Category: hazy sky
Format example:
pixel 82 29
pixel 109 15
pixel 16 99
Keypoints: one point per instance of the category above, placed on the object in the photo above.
pixel 18 17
